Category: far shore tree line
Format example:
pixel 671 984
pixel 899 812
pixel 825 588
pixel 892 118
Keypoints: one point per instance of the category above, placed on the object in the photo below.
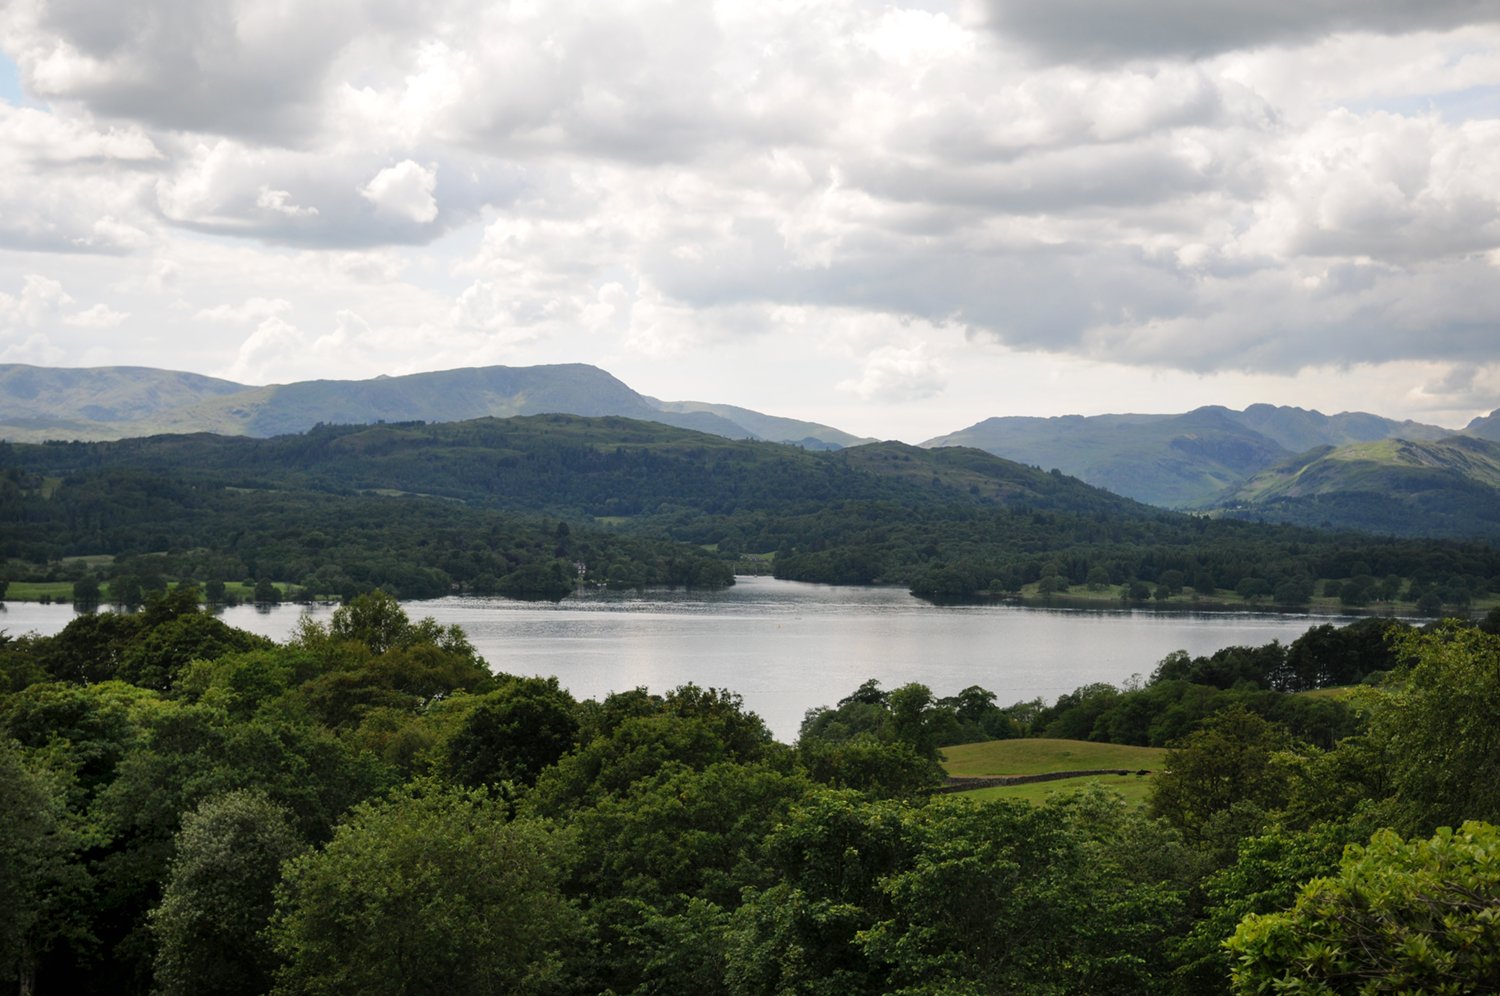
pixel 539 506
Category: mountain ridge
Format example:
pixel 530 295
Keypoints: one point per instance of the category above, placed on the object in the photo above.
pixel 1186 460
pixel 1448 487
pixel 104 403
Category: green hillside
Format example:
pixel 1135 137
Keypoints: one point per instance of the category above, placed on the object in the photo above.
pixel 95 403
pixel 1448 487
pixel 1176 461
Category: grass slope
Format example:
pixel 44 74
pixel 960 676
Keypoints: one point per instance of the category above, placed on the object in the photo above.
pixel 1036 756
pixel 1040 756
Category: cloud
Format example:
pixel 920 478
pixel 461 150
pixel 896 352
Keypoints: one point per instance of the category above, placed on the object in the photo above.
pixel 237 67
pixel 72 186
pixel 36 349
pixel 40 298
pixel 280 201
pixel 405 191
pixel 100 316
pixel 43 305
pixel 897 374
pixel 252 311
pixel 1091 31
pixel 331 201
pixel 264 351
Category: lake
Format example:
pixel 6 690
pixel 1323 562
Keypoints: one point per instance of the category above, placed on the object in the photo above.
pixel 788 647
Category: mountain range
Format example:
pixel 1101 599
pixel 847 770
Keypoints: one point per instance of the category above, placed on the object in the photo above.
pixel 1350 470
pixel 102 403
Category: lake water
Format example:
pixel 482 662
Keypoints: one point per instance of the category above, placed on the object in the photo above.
pixel 788 647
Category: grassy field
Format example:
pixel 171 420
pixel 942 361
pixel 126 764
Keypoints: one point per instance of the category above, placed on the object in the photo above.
pixel 1332 692
pixel 1038 756
pixel 34 591
pixel 62 591
pixel 1134 788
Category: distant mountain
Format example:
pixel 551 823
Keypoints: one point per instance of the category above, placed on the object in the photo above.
pixel 81 403
pixel 38 403
pixel 1485 427
pixel 1299 430
pixel 784 430
pixel 1177 461
pixel 1448 487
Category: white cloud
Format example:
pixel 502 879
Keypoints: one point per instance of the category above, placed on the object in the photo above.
pixel 100 316
pixel 264 352
pixel 280 201
pixel 36 349
pixel 41 300
pixel 252 311
pixel 404 190
pixel 897 374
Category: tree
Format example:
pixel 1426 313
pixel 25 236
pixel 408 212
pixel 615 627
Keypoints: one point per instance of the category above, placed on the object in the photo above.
pixel 1400 916
pixel 802 934
pixel 1008 897
pixel 1267 874
pixel 912 718
pixel 86 590
pixel 44 887
pixel 1229 760
pixel 126 590
pixel 867 764
pixel 1435 719
pixel 433 892
pixel 513 733
pixel 1252 588
pixel 660 867
pixel 375 619
pixel 219 896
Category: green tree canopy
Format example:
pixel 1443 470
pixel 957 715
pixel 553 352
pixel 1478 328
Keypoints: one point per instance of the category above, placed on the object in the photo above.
pixel 430 892
pixel 1415 916
pixel 218 897
pixel 1435 720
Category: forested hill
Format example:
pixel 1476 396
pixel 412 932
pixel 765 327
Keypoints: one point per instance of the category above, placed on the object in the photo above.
pixel 597 467
pixel 949 522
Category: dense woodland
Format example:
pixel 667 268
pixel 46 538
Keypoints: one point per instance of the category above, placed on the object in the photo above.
pixel 369 807
pixel 424 510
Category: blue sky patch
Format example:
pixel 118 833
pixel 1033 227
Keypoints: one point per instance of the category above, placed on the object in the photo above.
pixel 10 80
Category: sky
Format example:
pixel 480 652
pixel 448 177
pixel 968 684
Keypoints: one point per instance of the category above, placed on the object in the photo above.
pixel 895 219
